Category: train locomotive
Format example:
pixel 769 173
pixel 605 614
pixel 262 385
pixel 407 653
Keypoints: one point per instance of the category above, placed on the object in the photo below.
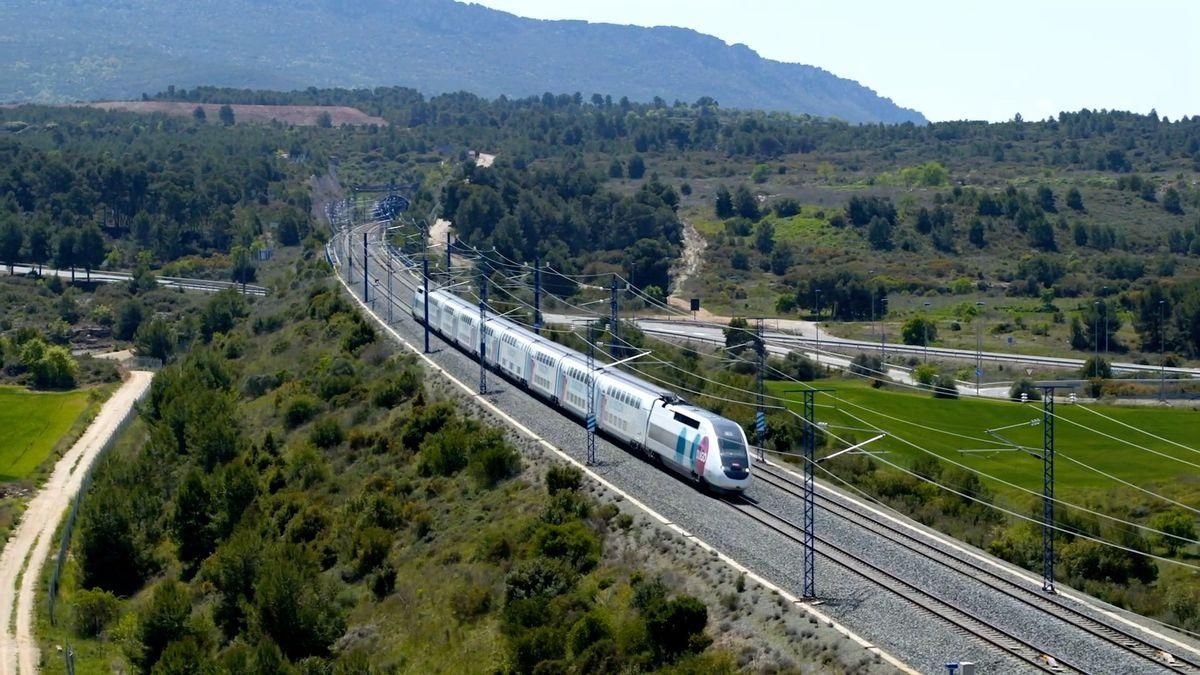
pixel 703 446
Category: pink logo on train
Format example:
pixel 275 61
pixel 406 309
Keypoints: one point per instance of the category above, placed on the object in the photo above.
pixel 702 456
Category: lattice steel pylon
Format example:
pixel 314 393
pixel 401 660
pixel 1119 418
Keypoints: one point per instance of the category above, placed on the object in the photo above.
pixel 591 395
pixel 537 295
pixel 483 288
pixel 614 348
pixel 760 416
pixel 425 284
pixel 810 444
pixel 1048 489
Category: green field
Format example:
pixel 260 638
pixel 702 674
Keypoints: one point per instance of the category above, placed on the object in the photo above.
pixel 929 423
pixel 31 424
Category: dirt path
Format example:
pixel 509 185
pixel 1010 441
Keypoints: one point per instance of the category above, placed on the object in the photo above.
pixel 35 534
pixel 689 264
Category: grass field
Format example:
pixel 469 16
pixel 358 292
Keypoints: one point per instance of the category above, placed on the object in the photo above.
pixel 956 430
pixel 31 424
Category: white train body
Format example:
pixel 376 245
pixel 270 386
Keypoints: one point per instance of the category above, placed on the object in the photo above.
pixel 699 444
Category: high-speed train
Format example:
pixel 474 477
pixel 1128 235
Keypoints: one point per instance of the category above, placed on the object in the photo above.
pixel 708 448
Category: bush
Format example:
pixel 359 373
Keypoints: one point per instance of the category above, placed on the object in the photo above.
pixel 539 646
pixel 538 578
pixel 471 601
pixel 586 632
pixel 944 386
pixel 395 390
pixel 162 622
pixel 371 546
pixel 1096 367
pixel 571 542
pixel 867 365
pixel 93 611
pixel 677 626
pixel 326 433
pixel 924 374
pixel 560 478
pixel 1024 386
pixel 493 463
pixel 444 453
pixel 299 410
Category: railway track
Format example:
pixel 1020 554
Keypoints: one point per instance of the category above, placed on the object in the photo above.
pixel 1006 586
pixel 963 622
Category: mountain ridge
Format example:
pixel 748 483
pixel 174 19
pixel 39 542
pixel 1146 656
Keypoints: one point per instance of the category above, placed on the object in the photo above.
pixel 69 50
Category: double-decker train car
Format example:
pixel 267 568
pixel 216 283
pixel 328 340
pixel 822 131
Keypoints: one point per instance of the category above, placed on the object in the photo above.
pixel 648 418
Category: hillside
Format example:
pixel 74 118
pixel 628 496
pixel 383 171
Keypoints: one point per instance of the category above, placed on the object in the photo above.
pixel 59 50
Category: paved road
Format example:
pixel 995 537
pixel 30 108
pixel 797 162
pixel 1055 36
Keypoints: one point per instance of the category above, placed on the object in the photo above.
pixel 685 328
pixel 35 534
pixel 202 285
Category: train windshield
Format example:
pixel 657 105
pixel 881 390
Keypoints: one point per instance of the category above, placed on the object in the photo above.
pixel 733 450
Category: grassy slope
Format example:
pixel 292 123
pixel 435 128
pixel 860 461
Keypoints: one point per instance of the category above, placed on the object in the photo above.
pixel 33 423
pixel 971 418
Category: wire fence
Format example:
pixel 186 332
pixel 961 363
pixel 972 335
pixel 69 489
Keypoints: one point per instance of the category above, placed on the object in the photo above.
pixel 69 525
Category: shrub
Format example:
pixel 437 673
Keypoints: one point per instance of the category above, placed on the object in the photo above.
pixel 1096 367
pixel 1024 386
pixel 538 578
pixel 371 546
pixel 867 365
pixel 539 646
pixel 586 632
pixel 493 463
pixel 326 433
pixel 444 453
pixel 944 386
pixel 94 610
pixel 563 478
pixel 924 374
pixel 395 390
pixel 470 601
pixel 571 542
pixel 336 385
pixel 676 627
pixel 299 410
pixel 257 385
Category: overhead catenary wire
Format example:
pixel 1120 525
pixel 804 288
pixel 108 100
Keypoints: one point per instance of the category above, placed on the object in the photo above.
pixel 1139 430
pixel 942 431
pixel 983 474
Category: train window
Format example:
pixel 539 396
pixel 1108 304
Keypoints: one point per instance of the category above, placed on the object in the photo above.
pixel 687 421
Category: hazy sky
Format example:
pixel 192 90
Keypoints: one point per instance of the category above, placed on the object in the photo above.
pixel 963 59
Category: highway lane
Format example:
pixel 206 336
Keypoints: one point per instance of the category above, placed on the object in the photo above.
pixel 108 277
pixel 686 328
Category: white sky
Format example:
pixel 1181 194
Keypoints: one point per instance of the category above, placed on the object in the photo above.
pixel 950 59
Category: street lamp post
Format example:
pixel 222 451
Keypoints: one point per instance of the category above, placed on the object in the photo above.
pixel 925 325
pixel 1162 364
pixel 1104 294
pixel 817 326
pixel 1096 334
pixel 872 292
pixel 978 345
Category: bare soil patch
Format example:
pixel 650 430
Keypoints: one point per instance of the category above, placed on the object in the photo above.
pixel 297 115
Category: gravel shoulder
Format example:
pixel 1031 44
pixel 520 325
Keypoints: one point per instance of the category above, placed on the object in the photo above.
pixel 25 553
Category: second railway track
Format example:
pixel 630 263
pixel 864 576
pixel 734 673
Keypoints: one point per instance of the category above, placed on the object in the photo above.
pixel 1031 597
